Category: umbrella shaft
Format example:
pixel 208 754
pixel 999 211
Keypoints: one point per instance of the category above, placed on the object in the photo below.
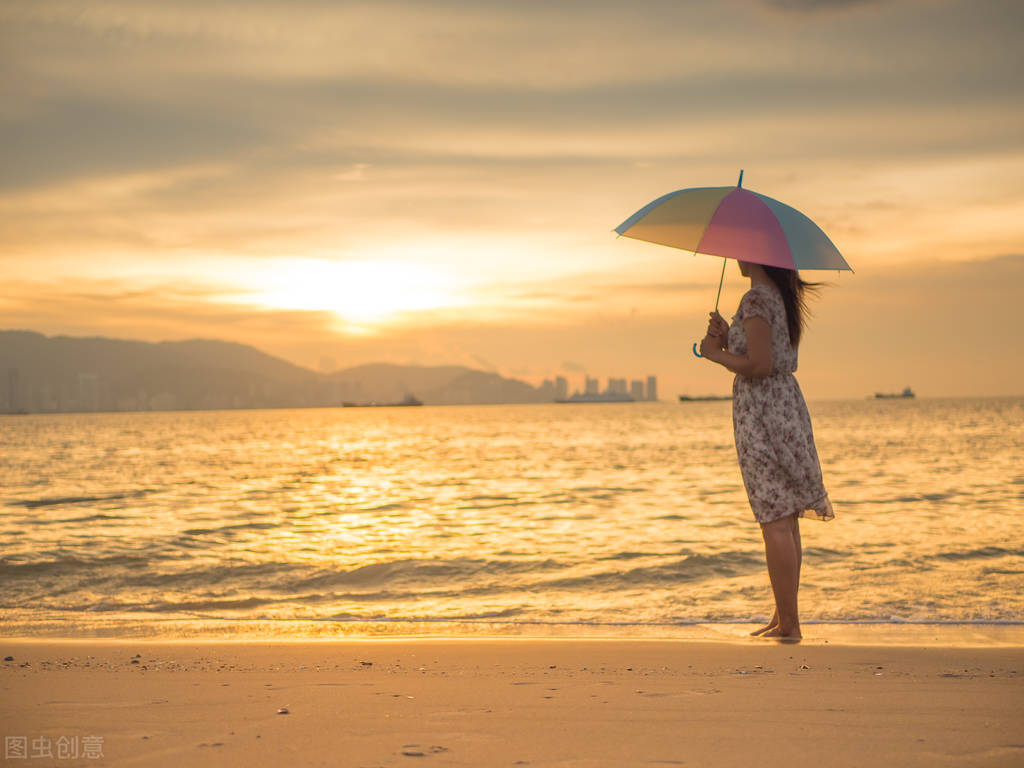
pixel 720 281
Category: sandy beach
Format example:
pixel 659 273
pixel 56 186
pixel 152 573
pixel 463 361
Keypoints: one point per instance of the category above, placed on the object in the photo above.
pixel 520 701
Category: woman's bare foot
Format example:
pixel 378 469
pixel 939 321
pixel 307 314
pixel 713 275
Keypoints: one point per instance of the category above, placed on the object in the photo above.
pixel 770 625
pixel 783 636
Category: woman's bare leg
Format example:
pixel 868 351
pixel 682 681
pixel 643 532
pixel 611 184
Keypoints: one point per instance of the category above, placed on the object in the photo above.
pixel 783 555
pixel 799 548
pixel 799 559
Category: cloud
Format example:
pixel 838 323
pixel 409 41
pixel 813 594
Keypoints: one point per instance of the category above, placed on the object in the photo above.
pixel 136 86
pixel 154 313
pixel 819 5
pixel 944 328
pixel 263 130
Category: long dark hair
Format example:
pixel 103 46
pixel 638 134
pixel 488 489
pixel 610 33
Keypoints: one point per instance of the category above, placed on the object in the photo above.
pixel 794 296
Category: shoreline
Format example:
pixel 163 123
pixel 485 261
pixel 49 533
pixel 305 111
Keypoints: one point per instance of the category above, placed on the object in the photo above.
pixel 515 701
pixel 861 633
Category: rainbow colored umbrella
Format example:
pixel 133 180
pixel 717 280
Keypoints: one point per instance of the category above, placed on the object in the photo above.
pixel 734 223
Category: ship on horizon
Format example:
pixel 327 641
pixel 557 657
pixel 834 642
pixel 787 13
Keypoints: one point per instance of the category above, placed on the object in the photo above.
pixel 906 393
pixel 605 397
pixel 409 400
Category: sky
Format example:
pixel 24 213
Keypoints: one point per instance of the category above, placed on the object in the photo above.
pixel 436 183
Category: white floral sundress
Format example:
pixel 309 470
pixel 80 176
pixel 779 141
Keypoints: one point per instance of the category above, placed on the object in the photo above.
pixel 774 440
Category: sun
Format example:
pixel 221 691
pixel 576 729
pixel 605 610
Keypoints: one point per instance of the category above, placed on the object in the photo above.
pixel 362 292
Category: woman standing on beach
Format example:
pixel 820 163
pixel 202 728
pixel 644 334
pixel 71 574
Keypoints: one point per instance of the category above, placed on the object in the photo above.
pixel 772 427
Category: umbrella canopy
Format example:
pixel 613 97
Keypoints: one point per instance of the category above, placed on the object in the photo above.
pixel 734 223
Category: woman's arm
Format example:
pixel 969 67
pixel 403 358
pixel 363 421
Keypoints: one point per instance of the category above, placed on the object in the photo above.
pixel 758 360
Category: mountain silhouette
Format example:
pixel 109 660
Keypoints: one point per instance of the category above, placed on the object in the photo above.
pixel 64 373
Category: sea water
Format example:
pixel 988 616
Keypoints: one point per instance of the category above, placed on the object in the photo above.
pixel 475 519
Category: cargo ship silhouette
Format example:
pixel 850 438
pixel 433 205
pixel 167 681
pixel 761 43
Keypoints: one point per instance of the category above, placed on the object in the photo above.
pixel 907 392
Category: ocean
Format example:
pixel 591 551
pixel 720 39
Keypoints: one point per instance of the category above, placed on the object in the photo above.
pixel 592 518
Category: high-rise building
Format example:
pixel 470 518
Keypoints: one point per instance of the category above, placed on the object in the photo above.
pixel 652 387
pixel 616 386
pixel 13 401
pixel 636 389
pixel 561 388
pixel 592 387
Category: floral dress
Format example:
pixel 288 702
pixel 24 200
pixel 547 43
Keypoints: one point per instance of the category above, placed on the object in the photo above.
pixel 774 441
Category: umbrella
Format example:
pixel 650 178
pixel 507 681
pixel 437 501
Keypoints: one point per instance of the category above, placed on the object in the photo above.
pixel 734 223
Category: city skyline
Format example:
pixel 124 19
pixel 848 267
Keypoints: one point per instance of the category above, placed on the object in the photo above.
pixel 69 375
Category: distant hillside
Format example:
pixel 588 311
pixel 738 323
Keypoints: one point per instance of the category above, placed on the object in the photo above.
pixel 63 373
pixel 441 385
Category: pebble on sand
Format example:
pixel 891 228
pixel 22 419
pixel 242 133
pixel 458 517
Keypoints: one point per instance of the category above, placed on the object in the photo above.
pixel 282 711
pixel 415 750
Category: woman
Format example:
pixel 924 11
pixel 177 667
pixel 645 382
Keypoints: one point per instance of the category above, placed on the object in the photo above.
pixel 774 441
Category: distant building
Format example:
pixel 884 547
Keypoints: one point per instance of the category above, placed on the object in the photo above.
pixel 88 392
pixel 636 389
pixel 652 387
pixel 593 386
pixel 13 402
pixel 165 401
pixel 561 388
pixel 547 390
pixel 616 386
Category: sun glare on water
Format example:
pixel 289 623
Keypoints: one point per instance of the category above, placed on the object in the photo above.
pixel 362 292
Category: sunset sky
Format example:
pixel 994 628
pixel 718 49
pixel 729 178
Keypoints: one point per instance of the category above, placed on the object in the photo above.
pixel 437 182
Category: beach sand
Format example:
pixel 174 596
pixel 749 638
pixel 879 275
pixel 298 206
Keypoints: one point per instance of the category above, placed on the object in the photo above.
pixel 511 702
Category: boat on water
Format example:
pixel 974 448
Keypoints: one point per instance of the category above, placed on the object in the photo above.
pixel 408 401
pixel 703 398
pixel 906 393
pixel 605 398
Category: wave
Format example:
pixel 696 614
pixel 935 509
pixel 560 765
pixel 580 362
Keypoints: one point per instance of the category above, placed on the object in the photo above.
pixel 83 519
pixel 468 617
pixel 68 564
pixel 627 555
pixel 691 568
pixel 227 604
pixel 227 528
pixel 54 501
pixel 981 553
pixel 120 571
pixel 421 572
pixel 726 621
pixel 461 576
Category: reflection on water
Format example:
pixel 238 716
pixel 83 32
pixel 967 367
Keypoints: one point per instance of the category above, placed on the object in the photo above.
pixel 594 515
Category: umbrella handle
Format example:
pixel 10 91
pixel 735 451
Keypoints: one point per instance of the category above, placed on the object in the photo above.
pixel 720 281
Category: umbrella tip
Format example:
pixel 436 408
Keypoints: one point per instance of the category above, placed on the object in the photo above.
pixel 740 182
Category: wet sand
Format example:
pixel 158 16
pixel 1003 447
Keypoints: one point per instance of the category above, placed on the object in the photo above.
pixel 512 702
